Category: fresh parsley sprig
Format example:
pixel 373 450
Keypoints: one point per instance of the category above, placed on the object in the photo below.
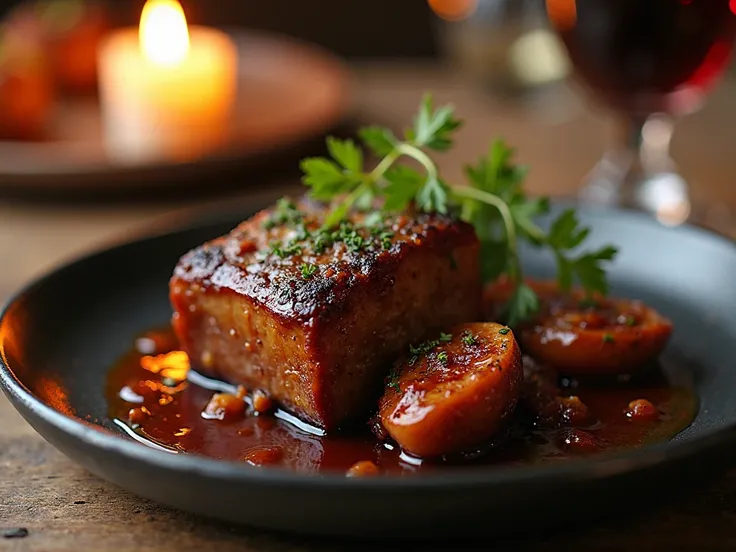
pixel 493 200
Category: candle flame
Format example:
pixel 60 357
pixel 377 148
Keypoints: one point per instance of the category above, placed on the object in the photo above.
pixel 163 32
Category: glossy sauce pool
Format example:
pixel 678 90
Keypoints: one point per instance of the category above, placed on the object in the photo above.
pixel 169 400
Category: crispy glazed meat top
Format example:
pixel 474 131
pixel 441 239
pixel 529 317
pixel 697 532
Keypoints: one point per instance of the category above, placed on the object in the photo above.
pixel 284 260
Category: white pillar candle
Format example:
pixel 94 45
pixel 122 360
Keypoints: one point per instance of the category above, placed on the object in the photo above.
pixel 166 91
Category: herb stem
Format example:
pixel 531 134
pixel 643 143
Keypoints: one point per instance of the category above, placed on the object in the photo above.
pixel 377 173
pixel 346 205
pixel 535 233
pixel 416 153
pixel 422 158
pixel 508 222
pixel 353 196
pixel 403 149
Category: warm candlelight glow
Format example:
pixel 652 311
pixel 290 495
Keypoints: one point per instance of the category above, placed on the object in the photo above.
pixel 167 90
pixel 163 33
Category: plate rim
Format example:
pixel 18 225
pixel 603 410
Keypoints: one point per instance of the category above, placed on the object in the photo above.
pixel 99 437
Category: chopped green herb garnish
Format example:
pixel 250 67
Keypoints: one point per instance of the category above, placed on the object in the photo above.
pixel 285 212
pixel 293 248
pixel 355 243
pixel 504 331
pixel 442 357
pixel 393 379
pixel 608 338
pixel 283 250
pixel 348 234
pixel 468 338
pixel 495 202
pixel 630 321
pixel 302 233
pixel 308 270
pixel 276 249
pixel 377 228
pixel 322 239
pixel 427 346
pixel 385 238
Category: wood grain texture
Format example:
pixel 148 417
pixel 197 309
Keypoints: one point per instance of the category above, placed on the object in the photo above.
pixel 66 509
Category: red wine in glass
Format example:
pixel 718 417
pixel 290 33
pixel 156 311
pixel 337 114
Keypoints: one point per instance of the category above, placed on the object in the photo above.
pixel 646 60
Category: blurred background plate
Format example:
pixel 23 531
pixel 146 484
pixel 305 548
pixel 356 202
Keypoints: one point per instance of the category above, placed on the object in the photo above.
pixel 290 93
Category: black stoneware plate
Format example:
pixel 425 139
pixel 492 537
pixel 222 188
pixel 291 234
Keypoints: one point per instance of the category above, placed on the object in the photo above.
pixel 60 335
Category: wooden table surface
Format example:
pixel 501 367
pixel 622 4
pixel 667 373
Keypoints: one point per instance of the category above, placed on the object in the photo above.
pixel 65 508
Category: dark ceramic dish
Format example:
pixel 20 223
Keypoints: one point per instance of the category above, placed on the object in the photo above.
pixel 60 335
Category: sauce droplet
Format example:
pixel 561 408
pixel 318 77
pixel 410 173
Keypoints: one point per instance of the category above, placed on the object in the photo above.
pixel 263 456
pixel 364 468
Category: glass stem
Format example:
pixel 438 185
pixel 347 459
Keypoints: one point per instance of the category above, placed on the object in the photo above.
pixel 654 150
pixel 637 172
pixel 627 146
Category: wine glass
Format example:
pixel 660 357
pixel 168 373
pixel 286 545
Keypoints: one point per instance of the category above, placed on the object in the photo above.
pixel 648 61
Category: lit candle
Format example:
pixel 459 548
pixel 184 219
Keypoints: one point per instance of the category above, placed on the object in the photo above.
pixel 166 90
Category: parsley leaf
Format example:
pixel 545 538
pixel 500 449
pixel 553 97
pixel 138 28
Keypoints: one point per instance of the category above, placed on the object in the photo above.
pixel 565 235
pixel 404 184
pixel 589 271
pixel 433 128
pixel 524 303
pixel 494 202
pixel 523 210
pixel 468 338
pixel 496 174
pixel 566 232
pixel 346 153
pixel 325 178
pixel 380 141
pixel 433 196
pixel 493 258
pixel 308 270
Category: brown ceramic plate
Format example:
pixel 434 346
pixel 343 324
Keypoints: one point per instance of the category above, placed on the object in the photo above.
pixel 290 93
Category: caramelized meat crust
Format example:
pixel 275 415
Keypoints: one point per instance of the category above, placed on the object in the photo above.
pixel 315 318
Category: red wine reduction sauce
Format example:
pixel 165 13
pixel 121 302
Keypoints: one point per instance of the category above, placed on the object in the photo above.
pixel 155 398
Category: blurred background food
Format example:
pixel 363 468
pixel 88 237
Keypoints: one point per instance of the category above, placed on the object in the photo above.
pixel 48 48
pixel 26 87
pixel 505 45
pixel 73 29
pixel 499 60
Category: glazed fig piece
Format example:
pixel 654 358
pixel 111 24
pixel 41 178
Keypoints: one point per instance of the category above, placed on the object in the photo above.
pixel 315 317
pixel 582 336
pixel 453 392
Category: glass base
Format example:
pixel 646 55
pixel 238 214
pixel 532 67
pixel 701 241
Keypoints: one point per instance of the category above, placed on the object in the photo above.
pixel 637 172
pixel 664 194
